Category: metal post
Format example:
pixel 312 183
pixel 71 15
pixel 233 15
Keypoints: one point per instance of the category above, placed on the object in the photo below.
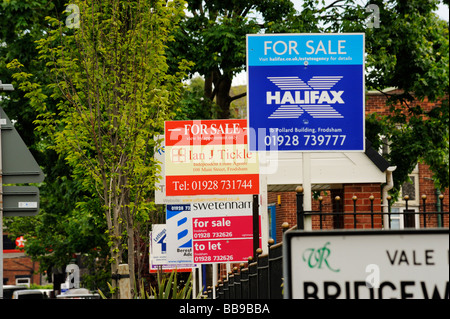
pixel 424 204
pixel 300 209
pixel 3 87
pixel 441 209
pixel 255 224
pixel 320 212
pixel 354 198
pixel 371 210
pixel 389 198
pixel 337 200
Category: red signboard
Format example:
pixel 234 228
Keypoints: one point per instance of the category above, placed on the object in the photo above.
pixel 222 232
pixel 222 239
pixel 209 157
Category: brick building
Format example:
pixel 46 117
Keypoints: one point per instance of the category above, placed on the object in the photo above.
pixel 17 265
pixel 368 195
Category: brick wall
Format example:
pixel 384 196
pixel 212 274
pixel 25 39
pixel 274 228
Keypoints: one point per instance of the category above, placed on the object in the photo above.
pixel 286 210
pixel 376 103
pixel 368 201
pixel 17 264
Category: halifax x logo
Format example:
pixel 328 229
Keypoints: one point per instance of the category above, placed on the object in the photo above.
pixel 297 97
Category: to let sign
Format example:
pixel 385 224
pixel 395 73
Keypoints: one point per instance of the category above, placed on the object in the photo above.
pixel 209 157
pixel 306 92
pixel 402 264
pixel 222 231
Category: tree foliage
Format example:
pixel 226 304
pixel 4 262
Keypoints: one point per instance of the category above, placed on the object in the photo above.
pixel 113 93
pixel 102 91
pixel 408 51
pixel 212 35
pixel 62 228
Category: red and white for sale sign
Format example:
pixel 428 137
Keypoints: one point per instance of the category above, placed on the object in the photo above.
pixel 209 157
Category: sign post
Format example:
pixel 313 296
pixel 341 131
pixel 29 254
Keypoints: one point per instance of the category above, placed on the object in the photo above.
pixel 17 165
pixel 306 93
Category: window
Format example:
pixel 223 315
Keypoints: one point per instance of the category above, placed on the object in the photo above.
pixel 271 212
pixel 402 218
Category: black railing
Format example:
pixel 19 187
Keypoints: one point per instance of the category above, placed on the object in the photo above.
pixel 263 277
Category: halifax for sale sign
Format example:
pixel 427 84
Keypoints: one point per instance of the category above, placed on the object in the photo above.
pixel 306 92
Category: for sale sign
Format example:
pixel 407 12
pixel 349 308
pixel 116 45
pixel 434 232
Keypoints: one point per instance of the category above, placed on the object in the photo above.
pixel 306 92
pixel 209 157
pixel 222 231
pixel 210 232
pixel 158 252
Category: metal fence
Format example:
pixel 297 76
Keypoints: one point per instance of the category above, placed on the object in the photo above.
pixel 262 278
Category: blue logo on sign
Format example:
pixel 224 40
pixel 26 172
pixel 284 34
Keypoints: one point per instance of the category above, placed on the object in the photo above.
pixel 297 97
pixel 179 215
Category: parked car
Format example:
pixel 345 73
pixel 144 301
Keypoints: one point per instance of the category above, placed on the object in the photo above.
pixel 31 294
pixel 8 290
pixel 80 293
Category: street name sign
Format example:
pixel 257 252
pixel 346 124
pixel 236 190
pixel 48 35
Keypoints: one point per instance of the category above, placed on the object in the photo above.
pixel 306 92
pixel 209 157
pixel 19 165
pixel 369 264
pixel 20 200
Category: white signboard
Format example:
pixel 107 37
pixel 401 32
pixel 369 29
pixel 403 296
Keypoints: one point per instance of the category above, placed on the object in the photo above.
pixel 179 234
pixel 408 264
pixel 158 251
pixel 160 192
pixel 158 245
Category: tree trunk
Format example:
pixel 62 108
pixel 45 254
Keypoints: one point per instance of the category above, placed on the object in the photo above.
pixel 220 93
pixel 115 249
pixel 131 249
pixel 223 97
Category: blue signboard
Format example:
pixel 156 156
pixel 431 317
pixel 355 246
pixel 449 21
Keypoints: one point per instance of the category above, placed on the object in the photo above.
pixel 306 92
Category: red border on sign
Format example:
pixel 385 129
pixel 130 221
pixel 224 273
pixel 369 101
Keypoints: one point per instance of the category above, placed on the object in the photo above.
pixel 205 132
pixel 182 185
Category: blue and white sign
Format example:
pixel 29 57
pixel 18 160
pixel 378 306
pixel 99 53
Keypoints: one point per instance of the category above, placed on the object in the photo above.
pixel 158 251
pixel 306 92
pixel 179 234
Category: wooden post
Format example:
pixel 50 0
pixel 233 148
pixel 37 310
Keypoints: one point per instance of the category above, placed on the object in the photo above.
pixel 124 282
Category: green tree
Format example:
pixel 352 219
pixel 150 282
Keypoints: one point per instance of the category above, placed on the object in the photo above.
pixel 212 35
pixel 109 77
pixel 62 227
pixel 409 51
